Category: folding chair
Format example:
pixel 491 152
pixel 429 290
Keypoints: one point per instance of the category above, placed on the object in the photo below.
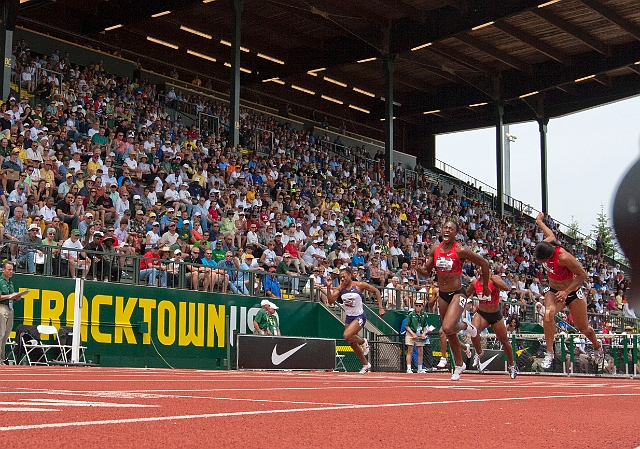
pixel 340 362
pixel 11 356
pixel 37 353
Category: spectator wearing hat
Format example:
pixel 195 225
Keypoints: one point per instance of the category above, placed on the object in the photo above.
pixel 273 321
pixel 29 247
pixel 172 197
pixel 97 258
pixel 272 284
pixel 196 273
pixel 85 224
pixel 260 321
pixel 184 199
pixel 216 275
pixel 228 226
pixel 173 266
pixel 314 254
pixel 12 165
pixel 76 259
pixel 152 236
pixel 150 267
pixel 283 270
pixel 110 260
pixel 106 205
pixel 416 335
pixel 171 236
pixel 17 197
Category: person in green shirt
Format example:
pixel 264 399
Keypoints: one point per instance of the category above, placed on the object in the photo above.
pixel 260 320
pixel 218 253
pixel 288 276
pixel 416 334
pixel 273 324
pixel 7 297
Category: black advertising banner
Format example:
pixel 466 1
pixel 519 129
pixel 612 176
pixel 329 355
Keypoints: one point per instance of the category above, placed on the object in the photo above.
pixel 279 353
pixel 491 360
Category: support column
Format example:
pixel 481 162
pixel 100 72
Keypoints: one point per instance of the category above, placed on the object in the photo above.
pixel 542 128
pixel 500 159
pixel 507 161
pixel 234 92
pixel 9 11
pixel 388 63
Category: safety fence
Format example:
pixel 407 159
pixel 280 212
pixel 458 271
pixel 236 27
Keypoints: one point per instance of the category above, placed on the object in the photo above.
pixel 573 355
pixel 123 265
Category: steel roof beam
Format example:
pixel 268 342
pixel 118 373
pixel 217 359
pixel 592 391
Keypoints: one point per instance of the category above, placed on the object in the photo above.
pixel 533 42
pixel 494 52
pixel 573 30
pixel 613 17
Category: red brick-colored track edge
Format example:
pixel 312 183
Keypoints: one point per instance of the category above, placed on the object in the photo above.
pixel 152 408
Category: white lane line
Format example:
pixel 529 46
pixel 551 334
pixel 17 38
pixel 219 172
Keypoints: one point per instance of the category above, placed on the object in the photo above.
pixel 27 409
pixel 135 395
pixel 295 410
pixel 69 403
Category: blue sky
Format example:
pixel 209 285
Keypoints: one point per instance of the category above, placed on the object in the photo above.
pixel 588 154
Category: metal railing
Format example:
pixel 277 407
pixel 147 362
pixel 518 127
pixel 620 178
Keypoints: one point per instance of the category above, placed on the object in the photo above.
pixel 209 125
pixel 123 266
pixel 518 206
pixel 264 141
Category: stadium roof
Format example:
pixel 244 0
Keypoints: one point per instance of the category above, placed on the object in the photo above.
pixel 454 58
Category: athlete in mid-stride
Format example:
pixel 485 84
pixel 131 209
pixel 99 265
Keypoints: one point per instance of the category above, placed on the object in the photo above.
pixel 448 258
pixel 489 314
pixel 350 292
pixel 566 275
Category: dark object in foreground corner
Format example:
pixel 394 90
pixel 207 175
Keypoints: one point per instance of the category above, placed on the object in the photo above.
pixel 626 222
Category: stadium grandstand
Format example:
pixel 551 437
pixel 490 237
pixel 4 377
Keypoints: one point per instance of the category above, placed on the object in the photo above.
pixel 141 179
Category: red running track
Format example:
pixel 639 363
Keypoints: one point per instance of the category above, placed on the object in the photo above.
pixel 123 407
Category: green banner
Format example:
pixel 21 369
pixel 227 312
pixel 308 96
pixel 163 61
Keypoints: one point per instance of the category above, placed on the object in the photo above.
pixel 129 325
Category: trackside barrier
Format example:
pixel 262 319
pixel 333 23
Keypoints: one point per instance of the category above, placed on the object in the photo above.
pixel 573 354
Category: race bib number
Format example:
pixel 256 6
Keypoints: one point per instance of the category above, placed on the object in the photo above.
pixel 463 301
pixel 579 294
pixel 546 289
pixel 444 264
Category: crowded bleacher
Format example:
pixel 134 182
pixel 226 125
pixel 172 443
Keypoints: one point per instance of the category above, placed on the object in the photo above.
pixel 102 179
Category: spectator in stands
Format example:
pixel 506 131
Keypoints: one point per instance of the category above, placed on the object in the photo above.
pixel 272 284
pixel 76 260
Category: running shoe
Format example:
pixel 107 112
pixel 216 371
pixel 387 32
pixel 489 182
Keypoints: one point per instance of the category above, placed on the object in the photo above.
pixel 548 360
pixel 442 363
pixel 598 355
pixel 476 359
pixel 513 371
pixel 456 373
pixel 409 371
pixel 470 328
pixel 365 347
pixel 422 371
pixel 467 351
pixel 365 369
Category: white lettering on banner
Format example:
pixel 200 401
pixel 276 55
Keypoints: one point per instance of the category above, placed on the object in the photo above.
pixel 241 322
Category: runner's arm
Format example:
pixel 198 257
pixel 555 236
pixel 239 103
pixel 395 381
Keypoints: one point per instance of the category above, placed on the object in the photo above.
pixel 548 233
pixel 567 260
pixel 364 286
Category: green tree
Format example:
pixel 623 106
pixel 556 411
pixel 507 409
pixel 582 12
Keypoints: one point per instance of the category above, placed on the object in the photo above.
pixel 573 229
pixel 605 231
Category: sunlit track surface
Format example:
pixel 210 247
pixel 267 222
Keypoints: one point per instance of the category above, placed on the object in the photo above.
pixel 195 408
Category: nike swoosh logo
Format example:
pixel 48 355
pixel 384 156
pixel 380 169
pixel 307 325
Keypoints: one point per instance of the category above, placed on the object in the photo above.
pixel 483 365
pixel 277 359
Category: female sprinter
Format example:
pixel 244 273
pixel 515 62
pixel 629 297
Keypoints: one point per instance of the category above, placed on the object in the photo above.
pixel 447 258
pixel 351 294
pixel 566 275
pixel 489 315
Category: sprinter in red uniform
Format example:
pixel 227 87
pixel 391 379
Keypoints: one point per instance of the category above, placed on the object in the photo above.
pixel 448 258
pixel 566 275
pixel 489 314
